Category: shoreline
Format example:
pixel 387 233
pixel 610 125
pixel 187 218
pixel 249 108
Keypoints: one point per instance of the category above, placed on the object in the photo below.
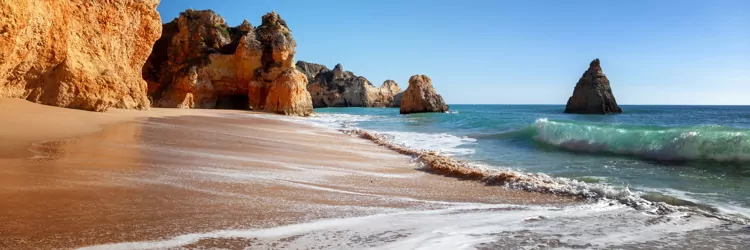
pixel 162 173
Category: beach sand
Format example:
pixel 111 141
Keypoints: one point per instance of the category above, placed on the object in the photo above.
pixel 71 178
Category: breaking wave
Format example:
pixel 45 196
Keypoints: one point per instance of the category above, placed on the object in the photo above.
pixel 696 143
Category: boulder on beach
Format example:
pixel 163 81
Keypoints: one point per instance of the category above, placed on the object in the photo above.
pixel 77 54
pixel 421 97
pixel 593 94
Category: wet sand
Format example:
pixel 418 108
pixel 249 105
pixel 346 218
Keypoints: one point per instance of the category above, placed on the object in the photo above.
pixel 72 178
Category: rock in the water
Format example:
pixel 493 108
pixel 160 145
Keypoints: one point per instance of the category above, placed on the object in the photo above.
pixel 200 62
pixel 593 94
pixel 288 94
pixel 77 54
pixel 421 97
pixel 340 88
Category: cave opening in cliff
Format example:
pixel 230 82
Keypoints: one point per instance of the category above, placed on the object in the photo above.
pixel 233 101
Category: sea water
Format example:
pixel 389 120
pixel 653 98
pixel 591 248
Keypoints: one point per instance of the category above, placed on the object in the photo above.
pixel 686 156
pixel 696 153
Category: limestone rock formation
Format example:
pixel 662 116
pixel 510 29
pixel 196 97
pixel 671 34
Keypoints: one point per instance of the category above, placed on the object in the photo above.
pixel 421 97
pixel 593 94
pixel 288 94
pixel 383 96
pixel 340 88
pixel 311 69
pixel 200 62
pixel 77 54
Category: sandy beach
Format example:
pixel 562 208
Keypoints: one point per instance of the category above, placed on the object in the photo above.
pixel 73 178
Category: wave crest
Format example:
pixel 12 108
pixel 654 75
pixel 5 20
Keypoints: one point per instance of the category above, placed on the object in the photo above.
pixel 698 143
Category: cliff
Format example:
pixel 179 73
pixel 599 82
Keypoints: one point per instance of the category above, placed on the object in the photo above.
pixel 340 88
pixel 421 97
pixel 77 54
pixel 592 94
pixel 201 62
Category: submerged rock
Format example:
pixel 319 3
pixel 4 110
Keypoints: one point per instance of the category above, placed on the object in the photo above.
pixel 340 88
pixel 77 54
pixel 200 62
pixel 421 97
pixel 593 94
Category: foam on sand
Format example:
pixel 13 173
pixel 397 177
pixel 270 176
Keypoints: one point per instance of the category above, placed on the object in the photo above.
pixel 470 226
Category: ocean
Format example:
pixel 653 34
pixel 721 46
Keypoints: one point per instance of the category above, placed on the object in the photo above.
pixel 693 157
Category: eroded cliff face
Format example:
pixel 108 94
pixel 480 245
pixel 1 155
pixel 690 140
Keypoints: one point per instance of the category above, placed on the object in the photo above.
pixel 593 94
pixel 421 97
pixel 77 53
pixel 340 88
pixel 200 62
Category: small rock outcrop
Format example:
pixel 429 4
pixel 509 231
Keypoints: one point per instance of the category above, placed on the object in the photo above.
pixel 77 54
pixel 200 62
pixel 592 94
pixel 340 88
pixel 421 97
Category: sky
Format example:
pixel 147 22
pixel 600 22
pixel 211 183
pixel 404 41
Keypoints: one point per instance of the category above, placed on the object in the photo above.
pixel 522 52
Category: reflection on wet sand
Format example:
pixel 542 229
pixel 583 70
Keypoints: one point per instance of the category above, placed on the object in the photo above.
pixel 162 177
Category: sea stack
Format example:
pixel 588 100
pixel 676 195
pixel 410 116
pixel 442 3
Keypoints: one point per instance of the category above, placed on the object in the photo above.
pixel 341 88
pixel 77 54
pixel 201 62
pixel 421 97
pixel 593 94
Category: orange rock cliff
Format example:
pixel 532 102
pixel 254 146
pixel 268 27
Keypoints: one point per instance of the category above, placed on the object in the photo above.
pixel 76 54
pixel 200 62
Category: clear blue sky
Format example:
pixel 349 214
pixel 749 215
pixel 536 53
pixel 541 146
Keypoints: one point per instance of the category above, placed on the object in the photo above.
pixel 522 52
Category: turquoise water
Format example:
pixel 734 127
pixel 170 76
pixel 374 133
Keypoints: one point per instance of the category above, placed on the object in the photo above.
pixel 696 153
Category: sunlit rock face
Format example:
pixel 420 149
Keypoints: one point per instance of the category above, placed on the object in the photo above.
pixel 200 62
pixel 77 54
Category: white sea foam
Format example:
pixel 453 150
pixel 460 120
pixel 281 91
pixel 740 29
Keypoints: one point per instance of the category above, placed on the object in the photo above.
pixel 466 227
pixel 711 198
pixel 341 120
pixel 440 142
